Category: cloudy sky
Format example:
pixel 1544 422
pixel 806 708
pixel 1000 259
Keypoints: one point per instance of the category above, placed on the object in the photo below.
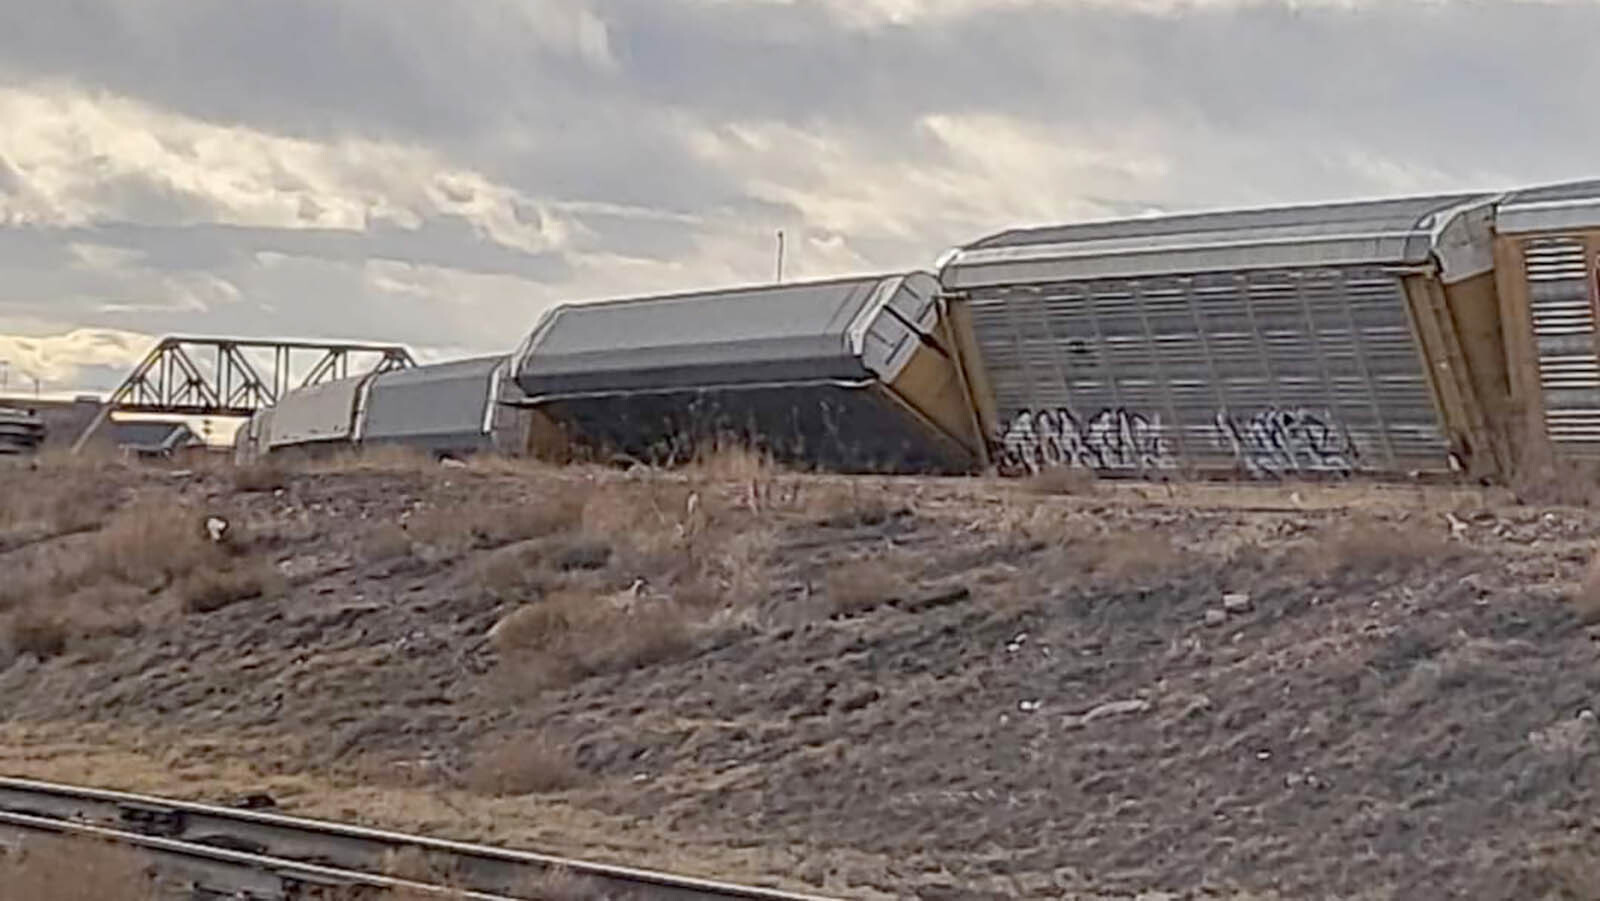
pixel 439 173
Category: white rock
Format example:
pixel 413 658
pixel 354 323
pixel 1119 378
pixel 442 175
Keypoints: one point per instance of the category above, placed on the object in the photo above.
pixel 216 527
pixel 1215 617
pixel 1237 603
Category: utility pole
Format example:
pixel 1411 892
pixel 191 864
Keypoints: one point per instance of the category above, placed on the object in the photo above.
pixel 780 256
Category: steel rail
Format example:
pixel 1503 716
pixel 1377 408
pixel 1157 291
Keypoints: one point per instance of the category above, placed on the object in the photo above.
pixel 222 872
pixel 309 850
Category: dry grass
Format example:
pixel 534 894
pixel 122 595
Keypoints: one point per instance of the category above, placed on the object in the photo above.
pixel 266 474
pixel 60 869
pixel 526 766
pixel 54 501
pixel 1372 547
pixel 150 544
pixel 1585 600
pixel 515 574
pixel 386 542
pixel 493 524
pixel 37 632
pixel 1542 479
pixel 393 458
pixel 1062 480
pixel 850 505
pixel 210 590
pixel 416 865
pixel 573 634
pixel 561 884
pixel 149 560
pixel 732 461
pixel 96 611
pixel 863 584
pixel 1121 559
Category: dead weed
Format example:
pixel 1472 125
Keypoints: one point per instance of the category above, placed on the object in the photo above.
pixel 525 766
pixel 62 869
pixel 37 632
pixel 1585 600
pixel 266 474
pixel 1064 480
pixel 862 585
pixel 1372 547
pixel 573 634
pixel 210 590
pixel 851 506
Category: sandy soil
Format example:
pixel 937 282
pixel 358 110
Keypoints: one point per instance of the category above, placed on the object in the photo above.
pixel 972 690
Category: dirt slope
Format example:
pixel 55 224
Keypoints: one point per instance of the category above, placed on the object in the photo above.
pixel 892 689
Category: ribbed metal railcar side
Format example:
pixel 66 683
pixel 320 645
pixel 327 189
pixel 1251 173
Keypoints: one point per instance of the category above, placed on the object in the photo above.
pixel 1278 343
pixel 447 408
pixel 317 415
pixel 1286 371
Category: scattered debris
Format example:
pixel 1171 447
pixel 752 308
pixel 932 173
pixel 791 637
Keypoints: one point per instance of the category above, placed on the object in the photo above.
pixel 217 528
pixel 1109 710
pixel 1237 603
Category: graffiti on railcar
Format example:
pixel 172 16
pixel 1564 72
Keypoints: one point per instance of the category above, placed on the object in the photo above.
pixel 1280 441
pixel 1110 440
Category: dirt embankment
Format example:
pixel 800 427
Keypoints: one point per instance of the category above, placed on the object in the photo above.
pixel 874 688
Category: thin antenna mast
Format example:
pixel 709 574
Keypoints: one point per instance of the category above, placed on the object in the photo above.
pixel 780 256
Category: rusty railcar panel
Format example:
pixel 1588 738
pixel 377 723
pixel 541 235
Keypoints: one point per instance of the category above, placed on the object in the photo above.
pixel 1546 254
pixel 1562 313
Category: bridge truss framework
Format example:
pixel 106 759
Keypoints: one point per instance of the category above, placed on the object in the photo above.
pixel 194 376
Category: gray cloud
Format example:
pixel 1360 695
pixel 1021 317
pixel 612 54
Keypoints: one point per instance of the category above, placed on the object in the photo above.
pixel 513 153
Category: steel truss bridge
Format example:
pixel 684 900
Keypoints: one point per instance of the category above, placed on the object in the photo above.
pixel 235 377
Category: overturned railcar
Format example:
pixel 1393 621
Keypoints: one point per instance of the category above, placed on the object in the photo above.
pixel 1335 339
pixel 1547 257
pixel 446 409
pixel 855 375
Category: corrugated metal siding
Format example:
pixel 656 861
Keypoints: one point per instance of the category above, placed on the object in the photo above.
pixel 444 406
pixel 1564 330
pixel 753 334
pixel 1273 372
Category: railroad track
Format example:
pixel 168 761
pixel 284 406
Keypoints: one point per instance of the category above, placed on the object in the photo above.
pixel 236 853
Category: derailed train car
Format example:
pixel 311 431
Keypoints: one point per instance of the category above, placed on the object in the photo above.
pixel 1449 336
pixel 447 409
pixel 858 374
pixel 1331 339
